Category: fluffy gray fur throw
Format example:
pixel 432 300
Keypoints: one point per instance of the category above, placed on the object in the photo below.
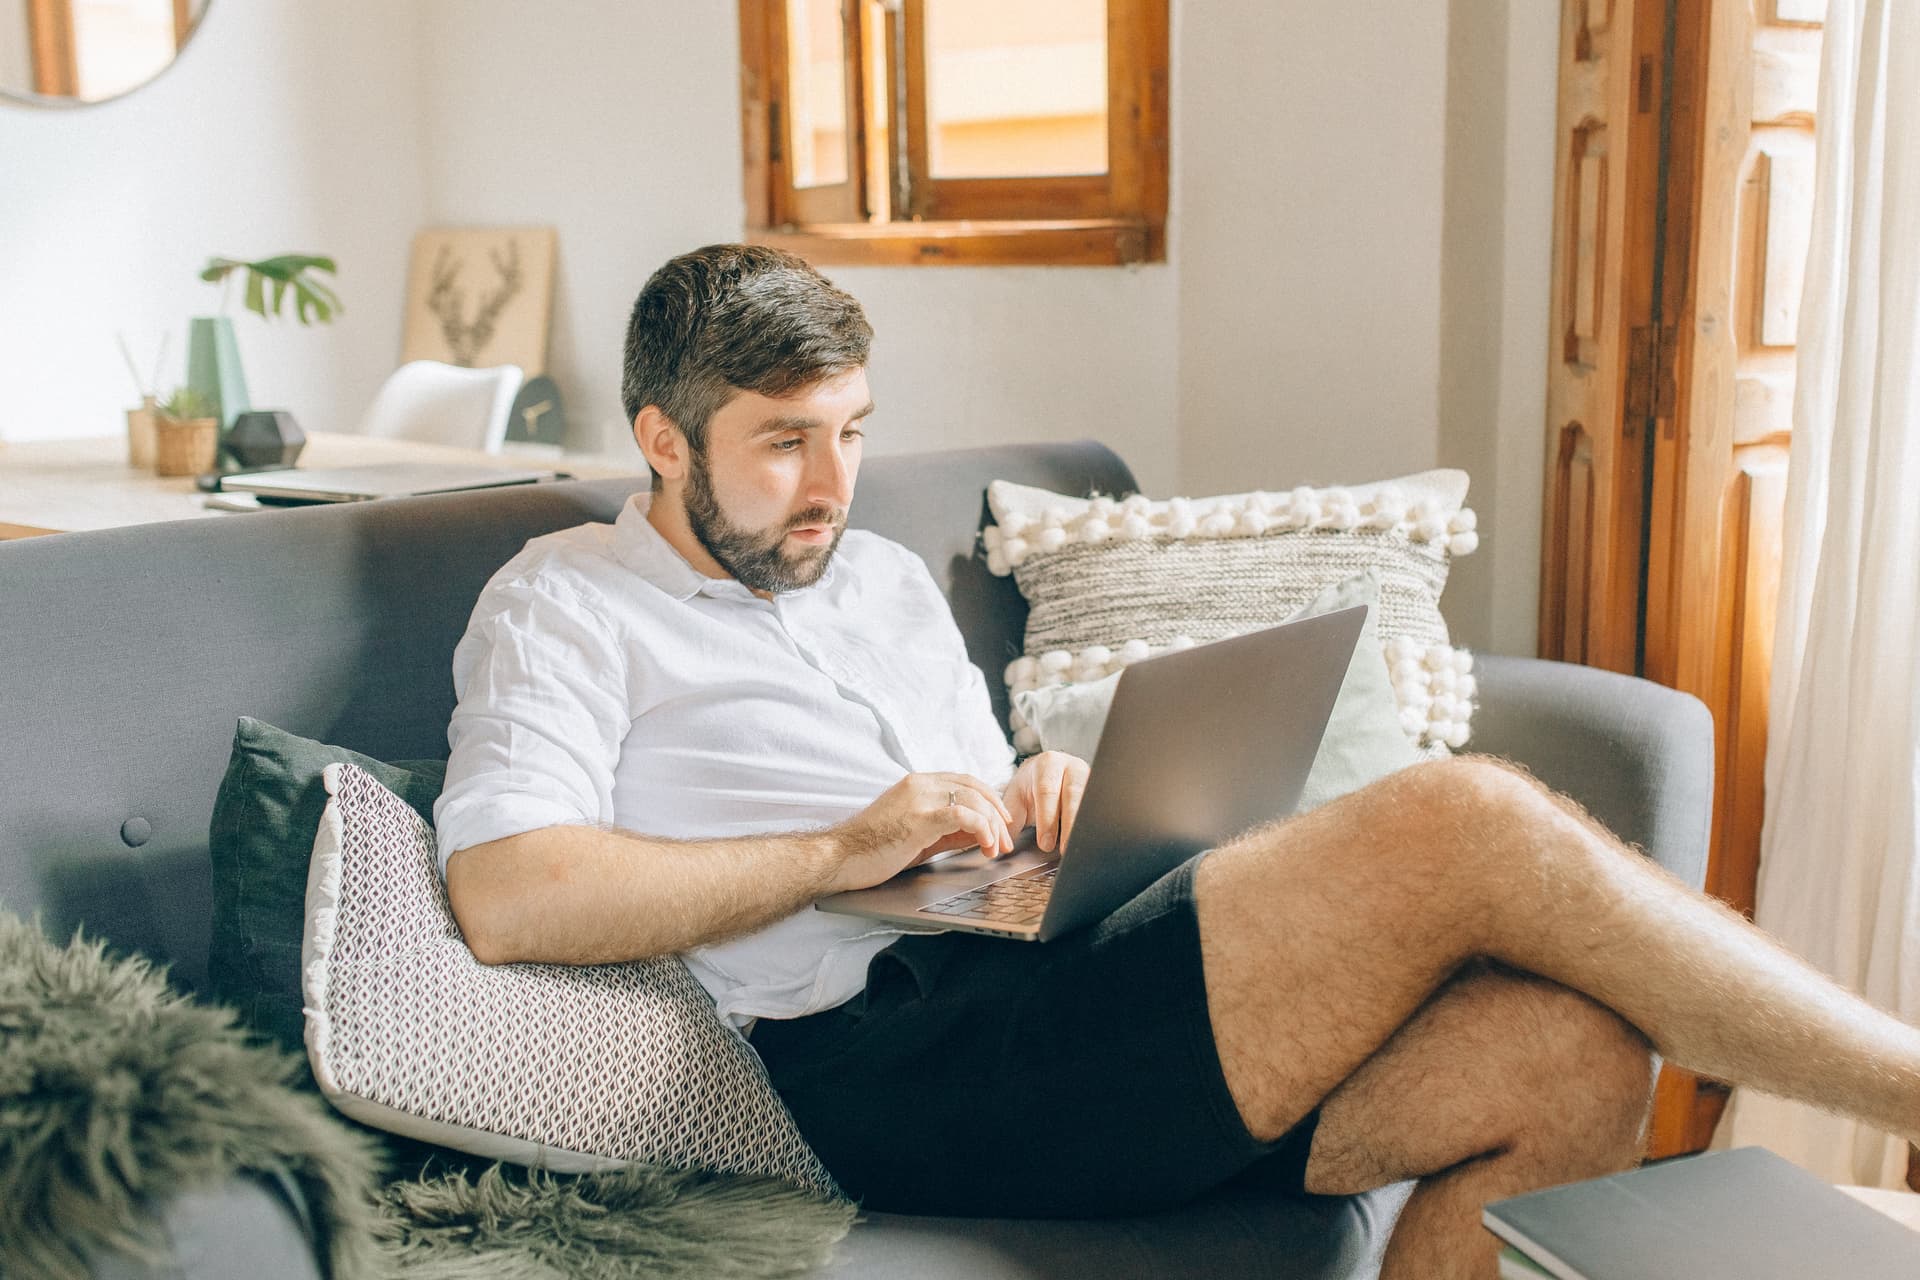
pixel 117 1092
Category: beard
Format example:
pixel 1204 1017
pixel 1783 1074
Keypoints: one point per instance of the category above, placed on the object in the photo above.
pixel 759 559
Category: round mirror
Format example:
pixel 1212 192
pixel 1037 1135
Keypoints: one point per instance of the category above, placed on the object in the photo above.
pixel 69 52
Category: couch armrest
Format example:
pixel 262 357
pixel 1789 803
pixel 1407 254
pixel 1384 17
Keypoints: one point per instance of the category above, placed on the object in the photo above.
pixel 1637 755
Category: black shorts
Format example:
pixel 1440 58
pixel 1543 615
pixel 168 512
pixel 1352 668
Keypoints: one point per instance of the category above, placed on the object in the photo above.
pixel 979 1077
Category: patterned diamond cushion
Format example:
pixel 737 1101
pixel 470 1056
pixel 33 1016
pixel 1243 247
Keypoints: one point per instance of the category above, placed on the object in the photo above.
pixel 1111 581
pixel 571 1068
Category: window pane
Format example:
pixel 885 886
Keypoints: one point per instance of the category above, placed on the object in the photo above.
pixel 1016 88
pixel 816 93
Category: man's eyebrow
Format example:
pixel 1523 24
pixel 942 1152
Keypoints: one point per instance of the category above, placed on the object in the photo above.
pixel 798 422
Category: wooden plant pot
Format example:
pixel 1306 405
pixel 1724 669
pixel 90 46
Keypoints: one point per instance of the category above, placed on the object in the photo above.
pixel 185 447
pixel 140 437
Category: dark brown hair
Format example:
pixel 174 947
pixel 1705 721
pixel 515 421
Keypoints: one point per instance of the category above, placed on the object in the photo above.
pixel 731 318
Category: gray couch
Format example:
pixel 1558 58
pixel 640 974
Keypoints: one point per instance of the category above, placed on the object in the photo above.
pixel 126 655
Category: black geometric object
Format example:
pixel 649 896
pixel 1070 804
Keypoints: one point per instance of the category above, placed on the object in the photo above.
pixel 263 438
pixel 536 416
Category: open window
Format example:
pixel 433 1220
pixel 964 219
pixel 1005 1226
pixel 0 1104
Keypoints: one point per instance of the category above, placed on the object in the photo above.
pixel 956 131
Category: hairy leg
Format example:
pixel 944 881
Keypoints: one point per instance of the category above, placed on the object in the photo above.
pixel 1323 935
pixel 1502 1082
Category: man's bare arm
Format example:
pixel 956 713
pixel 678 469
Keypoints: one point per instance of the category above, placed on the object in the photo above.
pixel 584 895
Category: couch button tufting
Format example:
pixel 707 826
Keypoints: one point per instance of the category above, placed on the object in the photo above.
pixel 136 831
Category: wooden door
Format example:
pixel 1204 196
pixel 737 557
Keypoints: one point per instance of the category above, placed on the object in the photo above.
pixel 1668 433
pixel 1746 87
pixel 1606 197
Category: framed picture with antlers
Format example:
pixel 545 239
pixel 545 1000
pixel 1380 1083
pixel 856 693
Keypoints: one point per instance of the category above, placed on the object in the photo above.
pixel 480 296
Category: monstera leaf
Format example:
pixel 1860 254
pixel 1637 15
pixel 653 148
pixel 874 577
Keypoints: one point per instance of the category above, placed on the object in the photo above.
pixel 290 272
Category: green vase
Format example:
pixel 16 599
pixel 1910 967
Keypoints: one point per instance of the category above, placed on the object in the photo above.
pixel 213 368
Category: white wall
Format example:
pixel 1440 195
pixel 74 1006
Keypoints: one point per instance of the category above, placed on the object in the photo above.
pixel 1357 285
pixel 1364 233
pixel 16 62
pixel 1495 287
pixel 618 122
pixel 1520 463
pixel 285 126
pixel 1311 139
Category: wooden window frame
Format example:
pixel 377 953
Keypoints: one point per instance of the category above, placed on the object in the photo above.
pixel 1114 218
pixel 56 71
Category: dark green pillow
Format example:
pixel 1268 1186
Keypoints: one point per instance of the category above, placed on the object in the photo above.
pixel 264 820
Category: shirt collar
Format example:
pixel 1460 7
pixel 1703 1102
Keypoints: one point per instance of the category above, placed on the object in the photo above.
pixel 647 553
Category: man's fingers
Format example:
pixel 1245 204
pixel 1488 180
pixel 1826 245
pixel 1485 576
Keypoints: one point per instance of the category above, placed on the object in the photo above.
pixel 1046 805
pixel 969 781
pixel 1019 811
pixel 984 823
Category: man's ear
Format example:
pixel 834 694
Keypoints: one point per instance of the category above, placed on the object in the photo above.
pixel 661 443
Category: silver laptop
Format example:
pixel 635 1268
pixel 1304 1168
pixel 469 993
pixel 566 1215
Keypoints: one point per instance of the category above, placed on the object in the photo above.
pixel 374 480
pixel 1198 746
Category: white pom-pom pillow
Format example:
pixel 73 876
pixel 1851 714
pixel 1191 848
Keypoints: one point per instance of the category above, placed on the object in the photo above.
pixel 569 1068
pixel 1111 581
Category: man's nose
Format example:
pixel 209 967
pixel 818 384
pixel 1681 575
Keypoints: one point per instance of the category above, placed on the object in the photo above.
pixel 830 480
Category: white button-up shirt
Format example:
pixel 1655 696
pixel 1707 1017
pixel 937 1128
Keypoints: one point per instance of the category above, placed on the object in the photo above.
pixel 604 680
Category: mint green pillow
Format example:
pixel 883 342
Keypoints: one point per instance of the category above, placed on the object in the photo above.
pixel 261 840
pixel 1364 740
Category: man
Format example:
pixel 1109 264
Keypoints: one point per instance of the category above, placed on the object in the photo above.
pixel 675 732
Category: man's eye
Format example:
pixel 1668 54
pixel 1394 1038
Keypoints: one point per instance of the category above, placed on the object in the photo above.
pixel 785 446
pixel 852 433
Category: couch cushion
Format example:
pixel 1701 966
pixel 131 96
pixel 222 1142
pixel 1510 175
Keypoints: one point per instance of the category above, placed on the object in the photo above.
pixel 260 840
pixel 572 1067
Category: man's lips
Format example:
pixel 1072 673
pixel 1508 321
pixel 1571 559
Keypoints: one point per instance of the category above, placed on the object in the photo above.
pixel 814 533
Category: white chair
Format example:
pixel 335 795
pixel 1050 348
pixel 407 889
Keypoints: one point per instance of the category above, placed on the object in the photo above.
pixel 437 403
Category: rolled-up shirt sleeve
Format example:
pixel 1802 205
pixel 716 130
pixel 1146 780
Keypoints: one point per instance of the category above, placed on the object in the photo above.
pixel 542 709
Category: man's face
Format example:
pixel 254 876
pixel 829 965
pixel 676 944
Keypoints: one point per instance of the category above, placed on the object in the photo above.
pixel 768 496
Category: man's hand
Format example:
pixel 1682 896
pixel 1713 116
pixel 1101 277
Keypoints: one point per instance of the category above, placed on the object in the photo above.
pixel 917 817
pixel 1045 795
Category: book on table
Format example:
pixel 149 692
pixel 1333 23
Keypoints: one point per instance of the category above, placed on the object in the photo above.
pixel 1727 1215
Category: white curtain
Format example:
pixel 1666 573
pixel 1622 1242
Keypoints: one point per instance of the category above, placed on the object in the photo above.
pixel 1839 868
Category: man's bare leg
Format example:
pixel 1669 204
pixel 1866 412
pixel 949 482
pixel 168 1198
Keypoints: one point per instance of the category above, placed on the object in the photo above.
pixel 1502 1082
pixel 1323 936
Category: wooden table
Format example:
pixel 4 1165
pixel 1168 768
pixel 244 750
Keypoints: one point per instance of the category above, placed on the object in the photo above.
pixel 56 486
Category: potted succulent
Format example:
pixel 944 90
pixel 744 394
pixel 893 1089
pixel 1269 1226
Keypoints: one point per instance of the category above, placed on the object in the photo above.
pixel 186 434
pixel 213 358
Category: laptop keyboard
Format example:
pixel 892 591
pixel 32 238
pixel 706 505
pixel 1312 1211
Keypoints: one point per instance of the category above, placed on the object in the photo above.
pixel 1018 899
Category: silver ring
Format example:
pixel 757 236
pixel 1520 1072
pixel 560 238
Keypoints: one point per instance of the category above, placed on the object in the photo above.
pixel 953 799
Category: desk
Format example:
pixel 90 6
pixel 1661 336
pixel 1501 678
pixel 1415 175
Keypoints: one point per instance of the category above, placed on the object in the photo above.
pixel 56 486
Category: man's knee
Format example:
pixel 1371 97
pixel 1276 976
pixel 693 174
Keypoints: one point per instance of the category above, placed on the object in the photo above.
pixel 1424 841
pixel 1445 816
pixel 1501 1065
pixel 1594 1082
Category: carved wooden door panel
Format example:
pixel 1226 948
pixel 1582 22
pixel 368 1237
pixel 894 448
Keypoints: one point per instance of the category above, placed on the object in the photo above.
pixel 1741 204
pixel 1605 205
pixel 1677 278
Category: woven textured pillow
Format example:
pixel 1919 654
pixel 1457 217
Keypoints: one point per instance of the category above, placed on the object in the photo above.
pixel 1111 581
pixel 570 1068
pixel 1363 739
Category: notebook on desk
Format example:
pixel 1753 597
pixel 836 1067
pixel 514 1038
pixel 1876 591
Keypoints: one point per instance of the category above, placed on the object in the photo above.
pixel 375 480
